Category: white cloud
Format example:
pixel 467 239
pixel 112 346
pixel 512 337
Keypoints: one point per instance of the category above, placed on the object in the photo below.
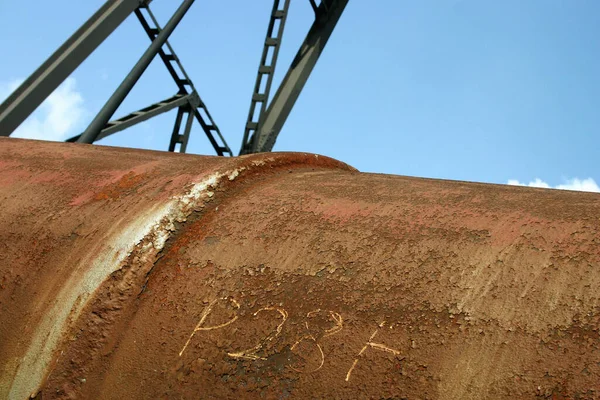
pixel 536 183
pixel 57 118
pixel 582 185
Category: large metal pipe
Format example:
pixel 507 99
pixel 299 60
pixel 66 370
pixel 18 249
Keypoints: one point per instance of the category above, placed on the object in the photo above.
pixel 139 274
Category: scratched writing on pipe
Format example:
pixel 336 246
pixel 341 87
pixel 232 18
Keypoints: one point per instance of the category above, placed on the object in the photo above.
pixel 281 316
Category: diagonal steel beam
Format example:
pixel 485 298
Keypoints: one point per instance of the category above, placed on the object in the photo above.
pixel 185 85
pixel 144 114
pixel 107 111
pixel 23 101
pixel 266 72
pixel 328 14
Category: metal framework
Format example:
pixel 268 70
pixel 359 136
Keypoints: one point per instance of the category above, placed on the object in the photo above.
pixel 23 101
pixel 179 100
pixel 159 40
pixel 266 71
pixel 265 120
pixel 327 14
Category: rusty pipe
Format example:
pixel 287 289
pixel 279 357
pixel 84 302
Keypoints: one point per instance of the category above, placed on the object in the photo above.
pixel 141 274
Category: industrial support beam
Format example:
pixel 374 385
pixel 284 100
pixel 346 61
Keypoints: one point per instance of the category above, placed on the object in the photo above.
pixel 185 85
pixel 144 114
pixel 27 97
pixel 266 71
pixel 327 15
pixel 179 138
pixel 107 111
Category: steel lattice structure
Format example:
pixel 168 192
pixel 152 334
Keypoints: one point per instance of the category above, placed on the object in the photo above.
pixel 265 119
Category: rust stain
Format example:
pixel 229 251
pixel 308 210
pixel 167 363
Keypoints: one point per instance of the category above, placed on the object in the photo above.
pixel 122 186
pixel 138 274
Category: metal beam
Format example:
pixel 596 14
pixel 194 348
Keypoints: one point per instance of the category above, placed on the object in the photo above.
pixel 177 137
pixel 23 101
pixel 144 114
pixel 107 111
pixel 184 83
pixel 266 71
pixel 210 128
pixel 168 57
pixel 327 15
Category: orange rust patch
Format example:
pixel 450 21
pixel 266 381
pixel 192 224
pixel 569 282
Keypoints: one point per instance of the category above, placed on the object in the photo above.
pixel 349 285
pixel 125 184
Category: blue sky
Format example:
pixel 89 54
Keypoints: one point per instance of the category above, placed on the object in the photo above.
pixel 482 91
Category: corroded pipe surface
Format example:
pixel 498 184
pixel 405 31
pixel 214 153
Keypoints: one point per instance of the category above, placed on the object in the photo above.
pixel 138 274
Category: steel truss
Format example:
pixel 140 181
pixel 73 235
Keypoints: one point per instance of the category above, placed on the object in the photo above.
pixel 265 120
pixel 271 120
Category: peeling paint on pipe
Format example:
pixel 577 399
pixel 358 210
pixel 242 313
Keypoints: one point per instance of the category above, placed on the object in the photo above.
pixel 139 274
